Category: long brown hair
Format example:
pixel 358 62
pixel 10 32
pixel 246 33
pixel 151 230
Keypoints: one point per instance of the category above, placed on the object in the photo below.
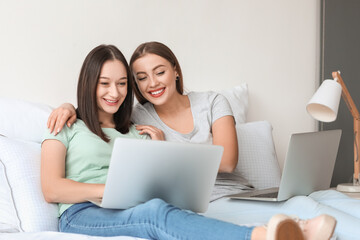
pixel 86 91
pixel 161 50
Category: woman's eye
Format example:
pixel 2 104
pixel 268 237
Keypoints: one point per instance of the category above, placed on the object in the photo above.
pixel 141 78
pixel 160 73
pixel 122 83
pixel 104 83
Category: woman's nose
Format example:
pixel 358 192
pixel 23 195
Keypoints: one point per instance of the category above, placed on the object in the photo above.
pixel 114 91
pixel 153 81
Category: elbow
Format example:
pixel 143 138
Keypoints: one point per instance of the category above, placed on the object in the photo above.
pixel 231 168
pixel 227 168
pixel 50 196
pixel 49 199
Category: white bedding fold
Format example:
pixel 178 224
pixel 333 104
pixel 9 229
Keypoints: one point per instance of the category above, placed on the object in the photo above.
pixel 57 236
pixel 346 210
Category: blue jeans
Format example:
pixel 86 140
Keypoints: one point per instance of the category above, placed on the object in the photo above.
pixel 154 219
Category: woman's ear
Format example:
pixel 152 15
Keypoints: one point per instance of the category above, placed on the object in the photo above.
pixel 176 74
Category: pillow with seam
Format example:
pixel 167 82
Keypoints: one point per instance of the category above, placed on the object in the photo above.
pixel 257 161
pixel 257 156
pixel 22 163
pixel 9 219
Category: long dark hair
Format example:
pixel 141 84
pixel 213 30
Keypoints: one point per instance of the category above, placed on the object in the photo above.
pixel 86 91
pixel 161 50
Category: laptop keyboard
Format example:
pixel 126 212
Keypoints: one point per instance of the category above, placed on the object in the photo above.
pixel 266 195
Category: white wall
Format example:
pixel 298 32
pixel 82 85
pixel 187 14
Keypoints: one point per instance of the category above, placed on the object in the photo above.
pixel 273 45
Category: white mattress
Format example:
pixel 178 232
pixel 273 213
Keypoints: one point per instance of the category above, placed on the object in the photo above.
pixel 57 236
pixel 346 210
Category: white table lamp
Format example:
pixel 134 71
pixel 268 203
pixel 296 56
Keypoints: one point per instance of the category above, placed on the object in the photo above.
pixel 324 105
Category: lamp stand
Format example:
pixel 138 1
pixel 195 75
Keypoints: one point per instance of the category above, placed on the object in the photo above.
pixel 355 186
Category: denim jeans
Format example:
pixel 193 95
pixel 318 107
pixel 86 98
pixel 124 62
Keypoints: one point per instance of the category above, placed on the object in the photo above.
pixel 154 219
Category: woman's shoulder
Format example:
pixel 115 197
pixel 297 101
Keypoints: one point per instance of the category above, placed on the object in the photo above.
pixel 66 133
pixel 142 107
pixel 78 126
pixel 204 94
pixel 207 97
pixel 141 112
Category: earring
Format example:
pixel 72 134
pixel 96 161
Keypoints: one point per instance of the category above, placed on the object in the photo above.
pixel 177 78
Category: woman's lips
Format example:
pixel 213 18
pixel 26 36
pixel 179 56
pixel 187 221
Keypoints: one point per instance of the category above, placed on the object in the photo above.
pixel 157 93
pixel 111 102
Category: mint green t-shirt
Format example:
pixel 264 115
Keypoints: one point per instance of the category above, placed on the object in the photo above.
pixel 87 155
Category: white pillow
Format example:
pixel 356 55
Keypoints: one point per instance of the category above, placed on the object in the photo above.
pixel 21 161
pixel 22 119
pixel 8 221
pixel 257 161
pixel 238 99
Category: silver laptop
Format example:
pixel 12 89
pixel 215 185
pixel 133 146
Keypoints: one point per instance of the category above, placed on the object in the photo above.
pixel 182 174
pixel 308 167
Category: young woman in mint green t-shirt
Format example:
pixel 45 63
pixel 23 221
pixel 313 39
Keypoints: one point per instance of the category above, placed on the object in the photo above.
pixel 74 166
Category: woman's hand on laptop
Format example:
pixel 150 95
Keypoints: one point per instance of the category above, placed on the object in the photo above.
pixel 153 132
pixel 64 114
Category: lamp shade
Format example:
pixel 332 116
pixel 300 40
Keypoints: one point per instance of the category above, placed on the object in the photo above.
pixel 324 105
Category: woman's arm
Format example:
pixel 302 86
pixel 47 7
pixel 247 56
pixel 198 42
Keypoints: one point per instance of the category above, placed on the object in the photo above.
pixel 224 134
pixel 55 187
pixel 58 117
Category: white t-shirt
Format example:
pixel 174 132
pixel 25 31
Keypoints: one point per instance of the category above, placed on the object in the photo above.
pixel 206 108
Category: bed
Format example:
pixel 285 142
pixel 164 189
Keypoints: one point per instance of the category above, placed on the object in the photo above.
pixel 25 215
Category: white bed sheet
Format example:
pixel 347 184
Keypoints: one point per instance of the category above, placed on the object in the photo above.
pixel 346 210
pixel 57 236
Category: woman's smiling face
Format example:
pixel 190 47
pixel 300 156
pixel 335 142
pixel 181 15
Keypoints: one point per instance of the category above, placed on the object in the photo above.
pixel 155 78
pixel 112 88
